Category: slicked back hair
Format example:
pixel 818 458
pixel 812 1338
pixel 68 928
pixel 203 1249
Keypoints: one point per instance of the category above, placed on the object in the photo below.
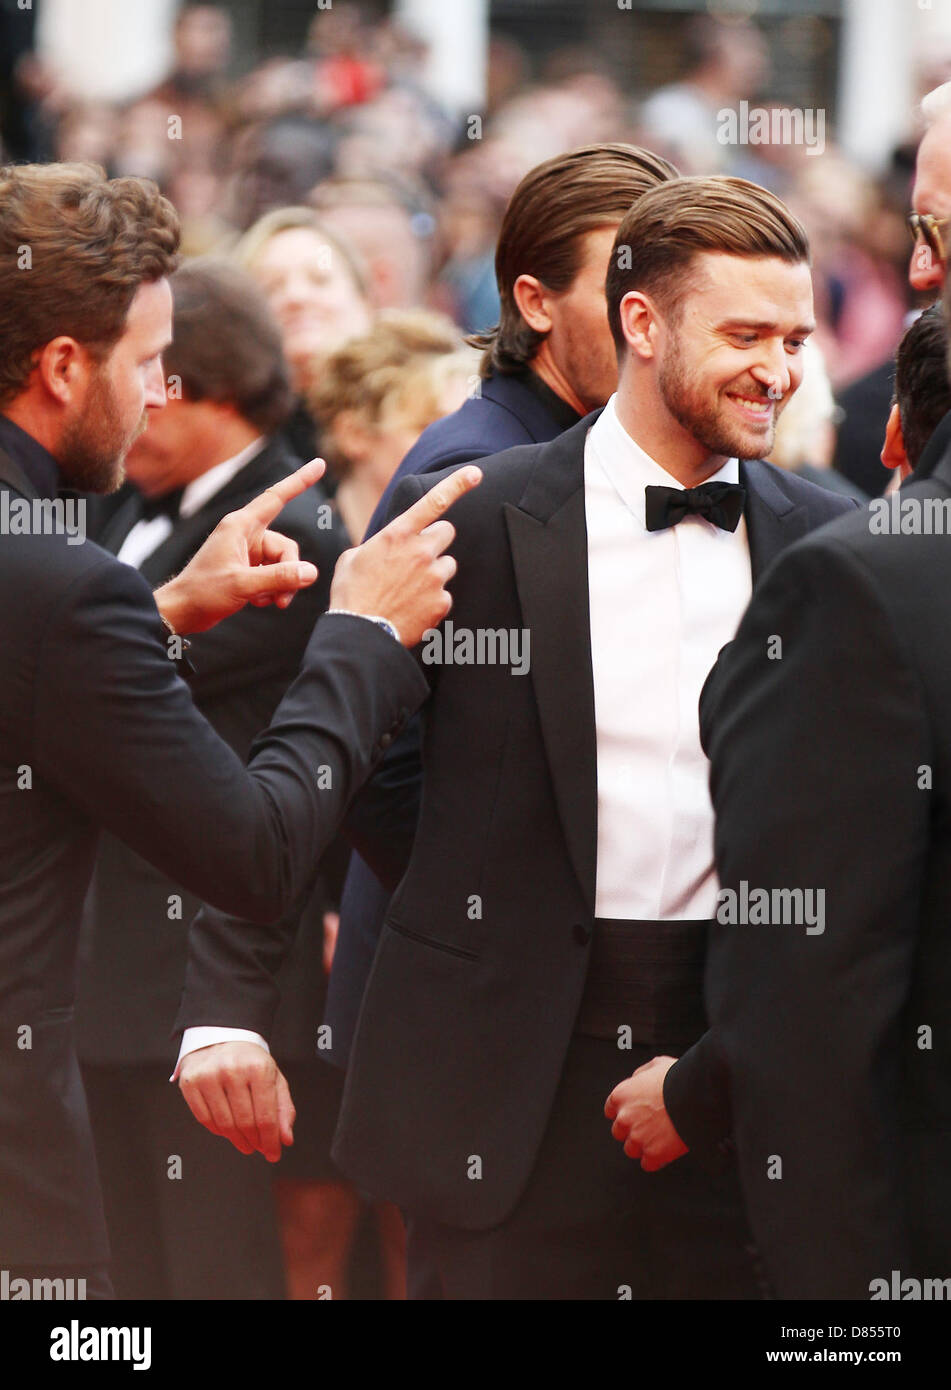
pixel 552 209
pixel 670 225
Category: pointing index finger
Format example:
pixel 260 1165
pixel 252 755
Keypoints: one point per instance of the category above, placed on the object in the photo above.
pixel 269 504
pixel 439 499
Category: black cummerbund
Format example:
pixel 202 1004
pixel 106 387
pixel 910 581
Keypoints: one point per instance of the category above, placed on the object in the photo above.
pixel 646 976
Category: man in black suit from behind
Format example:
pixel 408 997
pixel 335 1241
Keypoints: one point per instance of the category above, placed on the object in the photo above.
pixel 830 764
pixel 548 935
pixel 869 1196
pixel 215 446
pixel 97 728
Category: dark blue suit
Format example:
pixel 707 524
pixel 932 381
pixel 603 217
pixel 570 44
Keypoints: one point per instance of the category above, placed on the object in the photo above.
pixel 507 412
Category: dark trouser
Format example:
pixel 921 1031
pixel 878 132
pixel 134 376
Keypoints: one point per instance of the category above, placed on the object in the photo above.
pixel 591 1224
pixel 210 1232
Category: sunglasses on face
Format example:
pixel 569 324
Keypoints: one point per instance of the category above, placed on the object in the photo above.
pixel 927 228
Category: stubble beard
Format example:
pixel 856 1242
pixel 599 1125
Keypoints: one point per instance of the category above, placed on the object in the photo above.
pixel 703 420
pixel 93 449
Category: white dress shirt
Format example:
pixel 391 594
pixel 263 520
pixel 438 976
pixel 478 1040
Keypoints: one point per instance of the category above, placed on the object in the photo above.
pixel 146 536
pixel 662 604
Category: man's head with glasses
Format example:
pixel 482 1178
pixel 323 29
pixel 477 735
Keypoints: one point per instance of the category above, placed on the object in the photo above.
pixel 930 220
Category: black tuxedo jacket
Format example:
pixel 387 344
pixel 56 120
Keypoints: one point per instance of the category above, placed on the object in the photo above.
pixel 831 771
pixel 476 983
pixel 132 952
pixel 97 730
pixel 507 412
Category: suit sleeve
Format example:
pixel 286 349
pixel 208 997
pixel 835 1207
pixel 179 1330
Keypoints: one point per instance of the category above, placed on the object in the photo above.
pixel 120 737
pixel 381 823
pixel 231 976
pixel 233 964
pixel 816 751
pixel 696 1090
pixel 697 1100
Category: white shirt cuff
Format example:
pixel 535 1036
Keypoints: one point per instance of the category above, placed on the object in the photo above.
pixel 194 1038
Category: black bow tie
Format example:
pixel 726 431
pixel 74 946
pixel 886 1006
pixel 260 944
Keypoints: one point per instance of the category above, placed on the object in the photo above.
pixel 721 503
pixel 166 505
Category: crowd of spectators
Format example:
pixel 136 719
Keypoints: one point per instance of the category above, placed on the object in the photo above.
pixel 417 193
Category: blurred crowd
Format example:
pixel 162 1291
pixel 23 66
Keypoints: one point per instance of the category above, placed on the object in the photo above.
pixel 417 193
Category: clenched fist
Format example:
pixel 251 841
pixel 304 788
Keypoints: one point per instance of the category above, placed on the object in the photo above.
pixel 235 1089
pixel 641 1122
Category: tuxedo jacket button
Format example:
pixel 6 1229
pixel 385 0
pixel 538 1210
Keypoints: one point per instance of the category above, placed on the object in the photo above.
pixel 386 740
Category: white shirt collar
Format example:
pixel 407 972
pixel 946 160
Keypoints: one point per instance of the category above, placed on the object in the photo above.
pixel 630 468
pixel 201 490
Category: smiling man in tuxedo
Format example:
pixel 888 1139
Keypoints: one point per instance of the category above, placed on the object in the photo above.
pixel 548 362
pixel 548 936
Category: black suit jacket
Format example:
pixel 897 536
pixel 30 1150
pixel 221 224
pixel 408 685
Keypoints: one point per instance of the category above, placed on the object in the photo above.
pixel 507 412
pixel 831 771
pixel 98 730
pixel 476 983
pixel 132 952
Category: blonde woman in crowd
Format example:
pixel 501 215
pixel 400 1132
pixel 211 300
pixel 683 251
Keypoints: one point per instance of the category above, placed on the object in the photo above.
pixel 375 395
pixel 317 290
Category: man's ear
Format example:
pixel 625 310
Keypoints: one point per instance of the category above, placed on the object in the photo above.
pixel 531 300
pixel 893 453
pixel 63 366
pixel 639 324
